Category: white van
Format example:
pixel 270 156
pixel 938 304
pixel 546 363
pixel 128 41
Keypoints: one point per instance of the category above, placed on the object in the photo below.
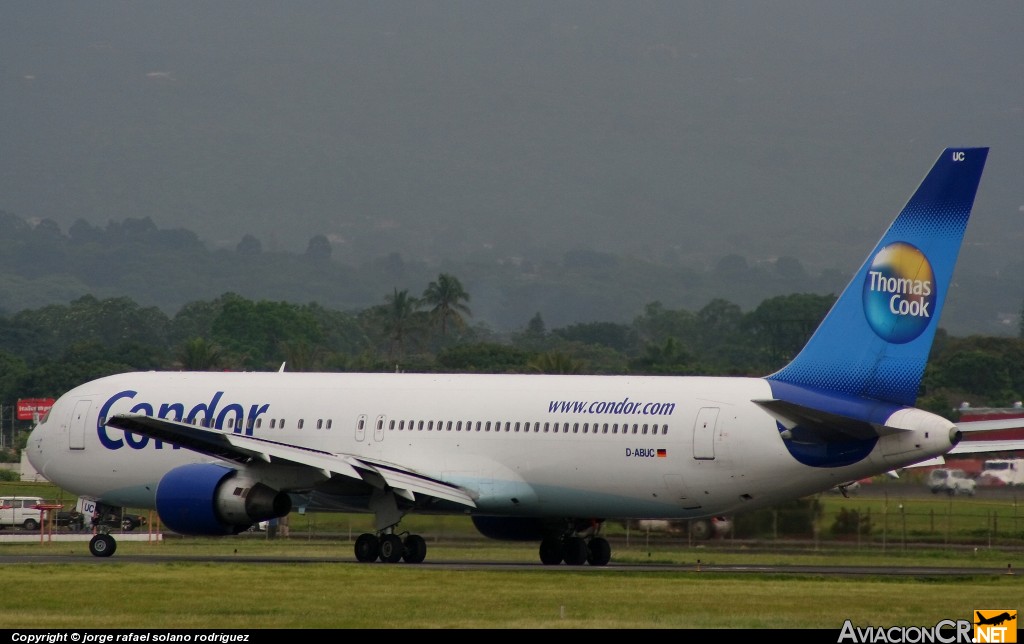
pixel 21 511
pixel 1003 471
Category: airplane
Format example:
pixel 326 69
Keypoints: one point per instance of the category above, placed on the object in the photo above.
pixel 995 620
pixel 542 458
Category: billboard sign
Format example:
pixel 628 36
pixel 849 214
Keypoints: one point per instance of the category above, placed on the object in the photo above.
pixel 30 408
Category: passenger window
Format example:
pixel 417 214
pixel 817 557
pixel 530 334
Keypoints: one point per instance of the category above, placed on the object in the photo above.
pixel 319 423
pixel 329 421
pixel 302 421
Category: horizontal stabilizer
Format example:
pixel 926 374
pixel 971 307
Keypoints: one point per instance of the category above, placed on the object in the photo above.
pixel 826 426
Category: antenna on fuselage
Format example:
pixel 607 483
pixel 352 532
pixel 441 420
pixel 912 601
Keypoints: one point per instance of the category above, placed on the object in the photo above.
pixel 281 370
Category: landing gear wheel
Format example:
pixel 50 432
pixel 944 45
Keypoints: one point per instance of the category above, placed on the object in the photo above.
pixel 575 551
pixel 102 545
pixel 599 552
pixel 551 551
pixel 415 549
pixel 367 548
pixel 391 548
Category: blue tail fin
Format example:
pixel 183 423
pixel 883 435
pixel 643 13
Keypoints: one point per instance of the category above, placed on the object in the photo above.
pixel 875 341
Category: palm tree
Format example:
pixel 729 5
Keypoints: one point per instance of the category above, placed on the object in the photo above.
pixel 554 362
pixel 198 354
pixel 399 319
pixel 447 297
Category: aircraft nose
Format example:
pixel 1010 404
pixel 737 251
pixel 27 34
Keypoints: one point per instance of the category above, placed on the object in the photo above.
pixel 35 446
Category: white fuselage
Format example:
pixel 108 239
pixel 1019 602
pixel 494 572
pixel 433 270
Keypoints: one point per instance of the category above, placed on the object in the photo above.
pixel 521 445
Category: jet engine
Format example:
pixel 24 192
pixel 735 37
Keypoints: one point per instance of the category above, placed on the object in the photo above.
pixel 211 499
pixel 512 528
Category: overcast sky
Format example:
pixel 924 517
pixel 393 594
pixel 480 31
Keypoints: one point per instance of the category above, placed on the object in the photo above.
pixel 661 128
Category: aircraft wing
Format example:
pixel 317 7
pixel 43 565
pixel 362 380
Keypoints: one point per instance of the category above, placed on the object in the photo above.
pixel 985 446
pixel 990 425
pixel 975 442
pixel 242 450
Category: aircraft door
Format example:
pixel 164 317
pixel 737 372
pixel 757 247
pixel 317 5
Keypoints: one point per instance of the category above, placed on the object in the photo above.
pixel 378 429
pixel 704 433
pixel 76 428
pixel 360 428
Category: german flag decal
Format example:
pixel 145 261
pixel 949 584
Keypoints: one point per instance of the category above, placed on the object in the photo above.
pixel 662 453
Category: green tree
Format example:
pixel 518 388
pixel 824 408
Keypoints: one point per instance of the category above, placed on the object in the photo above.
pixel 554 362
pixel 447 299
pixel 399 321
pixel 255 331
pixel 780 326
pixel 199 354
pixel 484 357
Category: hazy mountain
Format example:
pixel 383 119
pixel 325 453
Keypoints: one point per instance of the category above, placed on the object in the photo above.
pixel 672 132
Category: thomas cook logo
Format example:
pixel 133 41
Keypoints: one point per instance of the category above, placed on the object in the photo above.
pixel 899 293
pixel 995 626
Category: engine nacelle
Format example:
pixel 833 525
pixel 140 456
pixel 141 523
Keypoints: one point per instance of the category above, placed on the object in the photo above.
pixel 210 499
pixel 512 528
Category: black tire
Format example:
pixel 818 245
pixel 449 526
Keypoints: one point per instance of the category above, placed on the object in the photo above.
pixel 367 548
pixel 102 545
pixel 599 552
pixel 551 551
pixel 415 549
pixel 575 551
pixel 391 548
pixel 31 525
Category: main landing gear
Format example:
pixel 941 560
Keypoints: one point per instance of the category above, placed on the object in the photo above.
pixel 575 551
pixel 391 548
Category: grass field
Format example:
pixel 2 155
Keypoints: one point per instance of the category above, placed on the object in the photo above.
pixel 301 590
pixel 314 582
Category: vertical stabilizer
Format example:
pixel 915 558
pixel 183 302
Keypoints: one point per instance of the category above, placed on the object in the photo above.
pixel 875 341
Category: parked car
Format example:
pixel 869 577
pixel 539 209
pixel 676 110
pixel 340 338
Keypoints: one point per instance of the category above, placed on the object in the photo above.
pixel 950 481
pixel 71 519
pixel 123 520
pixel 21 511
